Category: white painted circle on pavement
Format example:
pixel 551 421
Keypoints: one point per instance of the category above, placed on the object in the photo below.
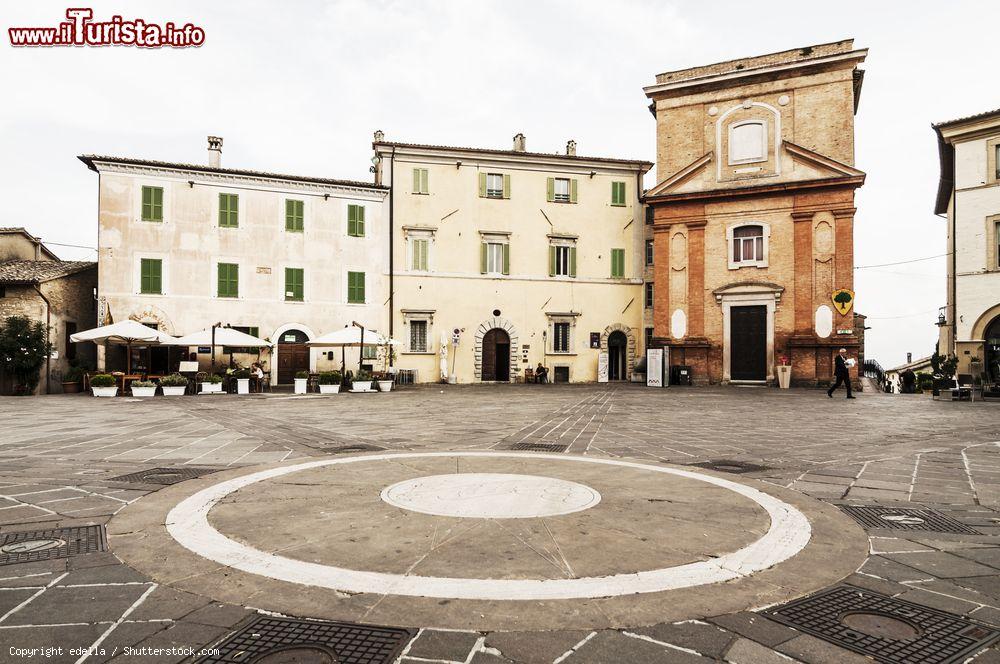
pixel 490 496
pixel 188 524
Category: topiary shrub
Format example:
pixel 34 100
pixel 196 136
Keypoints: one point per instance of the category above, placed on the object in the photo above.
pixel 103 380
pixel 302 374
pixel 174 380
pixel 330 378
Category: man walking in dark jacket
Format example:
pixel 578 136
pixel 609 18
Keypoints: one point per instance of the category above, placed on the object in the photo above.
pixel 842 374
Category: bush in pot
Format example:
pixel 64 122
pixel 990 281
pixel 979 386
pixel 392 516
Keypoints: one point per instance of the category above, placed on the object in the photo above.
pixel 242 376
pixel 362 381
pixel 329 382
pixel 174 385
pixel 301 382
pixel 212 384
pixel 104 385
pixel 143 388
pixel 384 380
pixel 73 379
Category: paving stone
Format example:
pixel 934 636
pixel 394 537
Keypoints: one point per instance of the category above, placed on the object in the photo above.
pixel 534 647
pixel 609 646
pixel 756 627
pixel 450 646
pixel 706 639
pixel 811 650
pixel 745 651
pixel 942 565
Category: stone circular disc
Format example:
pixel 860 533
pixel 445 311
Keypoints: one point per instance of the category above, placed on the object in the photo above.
pixel 491 496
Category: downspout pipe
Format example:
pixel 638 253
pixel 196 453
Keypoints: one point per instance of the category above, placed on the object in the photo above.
pixel 392 271
pixel 48 324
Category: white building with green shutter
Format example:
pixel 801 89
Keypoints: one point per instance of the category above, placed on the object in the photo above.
pixel 535 258
pixel 285 257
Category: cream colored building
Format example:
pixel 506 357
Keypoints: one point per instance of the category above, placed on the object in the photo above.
pixel 534 258
pixel 284 257
pixel 969 198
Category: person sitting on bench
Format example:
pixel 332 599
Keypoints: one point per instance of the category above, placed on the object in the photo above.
pixel 541 374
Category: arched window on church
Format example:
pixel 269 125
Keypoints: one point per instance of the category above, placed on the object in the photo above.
pixel 748 244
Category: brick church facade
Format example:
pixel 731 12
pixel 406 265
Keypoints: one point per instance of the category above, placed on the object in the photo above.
pixel 753 214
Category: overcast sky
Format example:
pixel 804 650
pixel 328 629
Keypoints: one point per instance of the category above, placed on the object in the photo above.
pixel 300 87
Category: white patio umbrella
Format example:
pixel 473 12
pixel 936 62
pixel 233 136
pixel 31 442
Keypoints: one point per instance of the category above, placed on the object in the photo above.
pixel 126 332
pixel 352 336
pixel 224 336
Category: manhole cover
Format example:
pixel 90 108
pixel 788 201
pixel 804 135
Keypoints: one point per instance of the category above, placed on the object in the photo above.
pixel 730 466
pixel 301 654
pixel 906 518
pixel 270 640
pixel 886 629
pixel 163 476
pixel 348 449
pixel 539 447
pixel 29 546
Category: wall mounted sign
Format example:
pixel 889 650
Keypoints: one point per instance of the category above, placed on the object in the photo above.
pixel 204 349
pixel 843 300
pixel 595 339
pixel 602 367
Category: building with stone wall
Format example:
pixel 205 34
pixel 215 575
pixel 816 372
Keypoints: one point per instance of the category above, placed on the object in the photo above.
pixel 534 258
pixel 283 257
pixel 969 198
pixel 753 213
pixel 59 294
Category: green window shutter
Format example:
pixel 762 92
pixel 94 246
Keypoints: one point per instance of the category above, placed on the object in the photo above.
pixel 361 222
pixel 151 276
pixel 420 254
pixel 356 220
pixel 506 259
pixel 294 215
pixel 617 263
pixel 229 210
pixel 572 190
pixel 550 189
pixel 416 181
pixel 229 280
pixel 572 261
pixel 618 193
pixel 506 186
pixel 152 203
pixel 552 261
pixel 294 284
pixel 356 287
pixel 482 257
pixel 482 186
pixel 423 181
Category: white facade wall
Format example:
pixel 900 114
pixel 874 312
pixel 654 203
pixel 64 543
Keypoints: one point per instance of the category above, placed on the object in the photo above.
pixel 191 243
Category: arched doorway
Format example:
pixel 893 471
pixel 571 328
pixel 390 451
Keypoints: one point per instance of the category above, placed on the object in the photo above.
pixel 617 345
pixel 496 356
pixel 293 355
pixel 991 350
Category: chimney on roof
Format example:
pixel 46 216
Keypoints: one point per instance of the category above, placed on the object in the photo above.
pixel 379 135
pixel 215 151
pixel 909 357
pixel 38 248
pixel 519 143
pixel 571 148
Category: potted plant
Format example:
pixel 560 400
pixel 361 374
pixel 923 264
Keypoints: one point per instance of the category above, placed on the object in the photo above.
pixel 301 382
pixel 362 381
pixel 212 384
pixel 784 372
pixel 242 376
pixel 104 385
pixel 72 379
pixel 388 355
pixel 174 385
pixel 329 382
pixel 143 388
pixel 384 381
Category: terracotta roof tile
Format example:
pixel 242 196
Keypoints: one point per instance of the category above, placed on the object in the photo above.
pixel 35 272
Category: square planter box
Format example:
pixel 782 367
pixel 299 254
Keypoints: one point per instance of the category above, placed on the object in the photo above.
pixel 242 386
pixel 329 389
pixel 173 390
pixel 385 386
pixel 211 388
pixel 361 386
pixel 143 391
pixel 300 385
pixel 105 391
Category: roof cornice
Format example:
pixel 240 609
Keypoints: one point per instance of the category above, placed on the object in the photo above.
pixel 556 161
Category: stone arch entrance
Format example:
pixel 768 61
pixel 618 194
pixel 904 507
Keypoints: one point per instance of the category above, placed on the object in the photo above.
pixel 618 342
pixel 491 337
pixel 290 354
pixel 991 350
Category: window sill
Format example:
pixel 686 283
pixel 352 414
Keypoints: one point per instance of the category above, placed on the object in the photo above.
pixel 618 205
pixel 294 301
pixel 151 294
pixel 739 266
pixel 420 193
pixel 417 352
pixel 559 353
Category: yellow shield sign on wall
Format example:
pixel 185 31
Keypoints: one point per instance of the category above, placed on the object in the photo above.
pixel 843 300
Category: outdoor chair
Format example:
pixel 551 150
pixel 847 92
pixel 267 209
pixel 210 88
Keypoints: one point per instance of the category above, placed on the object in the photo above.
pixel 529 375
pixel 199 378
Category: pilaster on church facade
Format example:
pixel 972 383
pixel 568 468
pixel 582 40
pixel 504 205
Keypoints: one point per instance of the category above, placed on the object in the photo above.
pixel 753 213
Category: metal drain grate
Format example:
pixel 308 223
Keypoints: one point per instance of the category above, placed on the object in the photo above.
pixel 886 629
pixel 730 466
pixel 907 518
pixel 164 476
pixel 539 447
pixel 269 639
pixel 34 545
